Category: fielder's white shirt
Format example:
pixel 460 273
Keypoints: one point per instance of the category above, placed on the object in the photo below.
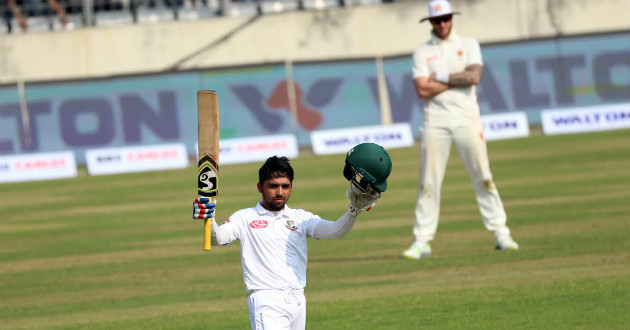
pixel 457 105
pixel 273 246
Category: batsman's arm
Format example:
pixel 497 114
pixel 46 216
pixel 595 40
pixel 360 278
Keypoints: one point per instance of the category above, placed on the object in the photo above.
pixel 220 234
pixel 426 87
pixel 470 76
pixel 335 229
pixel 359 202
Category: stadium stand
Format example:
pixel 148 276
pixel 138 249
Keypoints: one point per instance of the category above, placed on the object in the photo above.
pixel 22 16
pixel 195 10
pixel 322 4
pixel 112 18
pixel 33 15
pixel 271 7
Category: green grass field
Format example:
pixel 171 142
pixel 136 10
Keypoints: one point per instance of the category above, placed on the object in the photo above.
pixel 122 252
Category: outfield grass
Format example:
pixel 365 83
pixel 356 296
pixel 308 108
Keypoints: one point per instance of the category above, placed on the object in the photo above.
pixel 121 251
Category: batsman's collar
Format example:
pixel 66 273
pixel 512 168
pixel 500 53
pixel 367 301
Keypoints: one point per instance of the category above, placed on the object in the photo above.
pixel 439 8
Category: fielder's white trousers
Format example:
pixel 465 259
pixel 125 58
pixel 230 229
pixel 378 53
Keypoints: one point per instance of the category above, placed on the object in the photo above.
pixel 434 152
pixel 277 309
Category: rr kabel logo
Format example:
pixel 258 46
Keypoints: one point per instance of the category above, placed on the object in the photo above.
pixel 258 224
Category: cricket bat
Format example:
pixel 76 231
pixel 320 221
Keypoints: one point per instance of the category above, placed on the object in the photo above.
pixel 208 165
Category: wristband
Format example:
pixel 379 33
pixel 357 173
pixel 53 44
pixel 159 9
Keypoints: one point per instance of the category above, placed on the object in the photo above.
pixel 354 211
pixel 442 77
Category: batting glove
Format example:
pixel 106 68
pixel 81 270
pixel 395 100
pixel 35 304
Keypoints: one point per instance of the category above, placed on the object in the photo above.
pixel 202 208
pixel 359 200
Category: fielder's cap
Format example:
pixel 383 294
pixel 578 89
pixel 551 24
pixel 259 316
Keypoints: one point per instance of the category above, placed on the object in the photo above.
pixel 439 8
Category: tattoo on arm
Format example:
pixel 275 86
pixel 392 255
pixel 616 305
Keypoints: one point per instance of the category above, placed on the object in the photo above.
pixel 468 77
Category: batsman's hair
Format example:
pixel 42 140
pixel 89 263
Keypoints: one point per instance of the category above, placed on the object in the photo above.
pixel 275 167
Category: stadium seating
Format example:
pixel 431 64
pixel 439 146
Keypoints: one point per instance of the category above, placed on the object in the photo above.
pixel 242 8
pixel 271 7
pixel 192 14
pixel 112 18
pixel 75 21
pixel 108 13
pixel 35 24
pixel 154 15
pixel 321 4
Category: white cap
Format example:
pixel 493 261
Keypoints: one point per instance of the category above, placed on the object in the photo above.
pixel 439 8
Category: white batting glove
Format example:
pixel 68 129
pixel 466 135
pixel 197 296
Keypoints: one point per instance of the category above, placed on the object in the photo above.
pixel 359 200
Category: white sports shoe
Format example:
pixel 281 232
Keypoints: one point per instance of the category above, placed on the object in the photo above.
pixel 418 250
pixel 505 243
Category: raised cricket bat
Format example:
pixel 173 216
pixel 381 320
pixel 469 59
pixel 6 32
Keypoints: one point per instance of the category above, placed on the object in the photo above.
pixel 208 166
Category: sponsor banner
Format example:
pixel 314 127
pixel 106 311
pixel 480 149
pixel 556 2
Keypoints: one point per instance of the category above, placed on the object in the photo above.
pixel 505 126
pixel 136 159
pixel 586 119
pixel 39 166
pixel 336 141
pixel 254 149
pixel 147 109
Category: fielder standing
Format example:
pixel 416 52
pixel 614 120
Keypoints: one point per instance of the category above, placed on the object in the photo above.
pixel 273 236
pixel 445 71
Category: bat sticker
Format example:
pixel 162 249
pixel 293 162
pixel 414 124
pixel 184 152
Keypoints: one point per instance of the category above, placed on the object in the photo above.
pixel 207 177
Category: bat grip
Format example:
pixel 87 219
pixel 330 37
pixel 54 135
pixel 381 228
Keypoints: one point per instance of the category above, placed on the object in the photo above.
pixel 207 234
pixel 207 231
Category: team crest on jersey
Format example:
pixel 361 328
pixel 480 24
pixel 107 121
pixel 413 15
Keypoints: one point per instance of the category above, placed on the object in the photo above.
pixel 259 224
pixel 291 225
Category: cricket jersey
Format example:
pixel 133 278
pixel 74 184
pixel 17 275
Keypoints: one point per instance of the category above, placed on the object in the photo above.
pixel 273 246
pixel 457 105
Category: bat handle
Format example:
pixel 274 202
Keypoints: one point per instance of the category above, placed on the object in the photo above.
pixel 207 234
pixel 207 231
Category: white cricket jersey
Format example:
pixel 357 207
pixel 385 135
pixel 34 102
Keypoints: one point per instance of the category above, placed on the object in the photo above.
pixel 273 247
pixel 457 105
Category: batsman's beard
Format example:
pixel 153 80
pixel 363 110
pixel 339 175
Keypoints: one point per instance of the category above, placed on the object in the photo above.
pixel 277 204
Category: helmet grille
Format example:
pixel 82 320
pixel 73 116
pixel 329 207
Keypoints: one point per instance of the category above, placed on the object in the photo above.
pixel 359 179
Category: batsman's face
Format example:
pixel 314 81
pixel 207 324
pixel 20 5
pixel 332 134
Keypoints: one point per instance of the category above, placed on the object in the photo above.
pixel 442 26
pixel 275 192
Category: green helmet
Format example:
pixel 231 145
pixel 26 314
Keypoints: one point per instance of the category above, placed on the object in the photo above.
pixel 368 165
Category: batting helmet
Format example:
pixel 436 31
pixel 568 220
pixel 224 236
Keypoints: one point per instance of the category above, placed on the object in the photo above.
pixel 368 165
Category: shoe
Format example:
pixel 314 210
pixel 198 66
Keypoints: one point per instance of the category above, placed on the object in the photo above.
pixel 418 250
pixel 505 243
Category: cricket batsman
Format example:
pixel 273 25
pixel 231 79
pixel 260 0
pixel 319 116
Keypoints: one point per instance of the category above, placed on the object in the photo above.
pixel 273 235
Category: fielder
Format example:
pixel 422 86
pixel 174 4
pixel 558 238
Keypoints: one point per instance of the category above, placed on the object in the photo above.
pixel 273 236
pixel 445 71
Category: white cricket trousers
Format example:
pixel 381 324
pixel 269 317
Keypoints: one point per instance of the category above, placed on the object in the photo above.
pixel 434 152
pixel 277 310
